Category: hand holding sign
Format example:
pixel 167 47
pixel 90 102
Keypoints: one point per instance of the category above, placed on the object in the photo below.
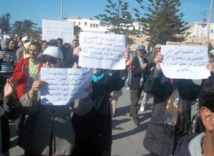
pixel 104 51
pixel 158 60
pixel 185 62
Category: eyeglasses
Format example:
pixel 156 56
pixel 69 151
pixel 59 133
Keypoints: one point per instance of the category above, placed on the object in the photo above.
pixel 51 60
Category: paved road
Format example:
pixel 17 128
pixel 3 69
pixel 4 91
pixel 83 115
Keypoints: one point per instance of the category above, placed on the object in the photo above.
pixel 127 138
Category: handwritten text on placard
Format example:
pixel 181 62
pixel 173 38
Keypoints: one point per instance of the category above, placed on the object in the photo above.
pixel 187 62
pixel 102 50
pixel 64 85
pixel 52 29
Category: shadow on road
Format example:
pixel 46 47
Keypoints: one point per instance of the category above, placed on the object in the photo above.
pixel 117 122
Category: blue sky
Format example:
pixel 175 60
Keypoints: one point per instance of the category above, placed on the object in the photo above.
pixel 36 10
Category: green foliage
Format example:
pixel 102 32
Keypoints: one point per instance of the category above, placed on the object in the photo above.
pixel 5 23
pixel 19 28
pixel 118 16
pixel 26 27
pixel 162 21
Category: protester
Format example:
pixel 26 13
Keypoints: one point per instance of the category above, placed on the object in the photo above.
pixel 67 52
pixel 127 83
pixel 9 110
pixel 12 45
pixel 8 61
pixel 52 42
pixel 44 45
pixel 59 43
pixel 151 64
pixel 21 49
pixel 138 71
pixel 93 127
pixel 74 44
pixel 165 129
pixel 48 129
pixel 114 96
pixel 201 144
pixel 25 68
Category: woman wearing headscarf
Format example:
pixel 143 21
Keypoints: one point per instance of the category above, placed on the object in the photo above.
pixel 93 125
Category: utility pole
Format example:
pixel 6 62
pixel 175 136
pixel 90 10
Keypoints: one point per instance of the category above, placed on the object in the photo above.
pixel 61 14
pixel 209 21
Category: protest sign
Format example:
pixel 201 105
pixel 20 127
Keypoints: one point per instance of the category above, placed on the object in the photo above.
pixel 52 29
pixel 64 85
pixel 185 62
pixel 104 51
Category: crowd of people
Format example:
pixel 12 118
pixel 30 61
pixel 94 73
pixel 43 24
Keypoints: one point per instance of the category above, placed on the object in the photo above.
pixel 84 127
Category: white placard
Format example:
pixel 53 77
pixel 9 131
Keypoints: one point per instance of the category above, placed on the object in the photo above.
pixel 64 85
pixel 53 29
pixel 185 62
pixel 104 51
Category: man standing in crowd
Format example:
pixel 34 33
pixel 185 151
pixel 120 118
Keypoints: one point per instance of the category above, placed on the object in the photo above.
pixel 151 64
pixel 67 52
pixel 21 49
pixel 138 70
pixel 8 61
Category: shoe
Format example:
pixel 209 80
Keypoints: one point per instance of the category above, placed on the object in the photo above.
pixel 136 122
pixel 142 108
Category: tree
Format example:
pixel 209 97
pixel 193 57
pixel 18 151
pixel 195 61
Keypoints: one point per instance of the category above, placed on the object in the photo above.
pixel 5 23
pixel 18 28
pixel 118 18
pixel 26 27
pixel 162 21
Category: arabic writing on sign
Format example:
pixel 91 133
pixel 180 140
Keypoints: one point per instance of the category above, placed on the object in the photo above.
pixel 102 50
pixel 187 62
pixel 64 85
pixel 53 28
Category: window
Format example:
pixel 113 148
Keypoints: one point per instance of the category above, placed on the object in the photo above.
pixel 85 23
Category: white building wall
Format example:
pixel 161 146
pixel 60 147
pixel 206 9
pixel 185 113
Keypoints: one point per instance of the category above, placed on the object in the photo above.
pixel 200 30
pixel 89 25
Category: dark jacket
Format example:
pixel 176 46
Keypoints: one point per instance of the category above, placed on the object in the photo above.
pixel 94 129
pixel 160 138
pixel 137 73
pixel 182 147
pixel 12 111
